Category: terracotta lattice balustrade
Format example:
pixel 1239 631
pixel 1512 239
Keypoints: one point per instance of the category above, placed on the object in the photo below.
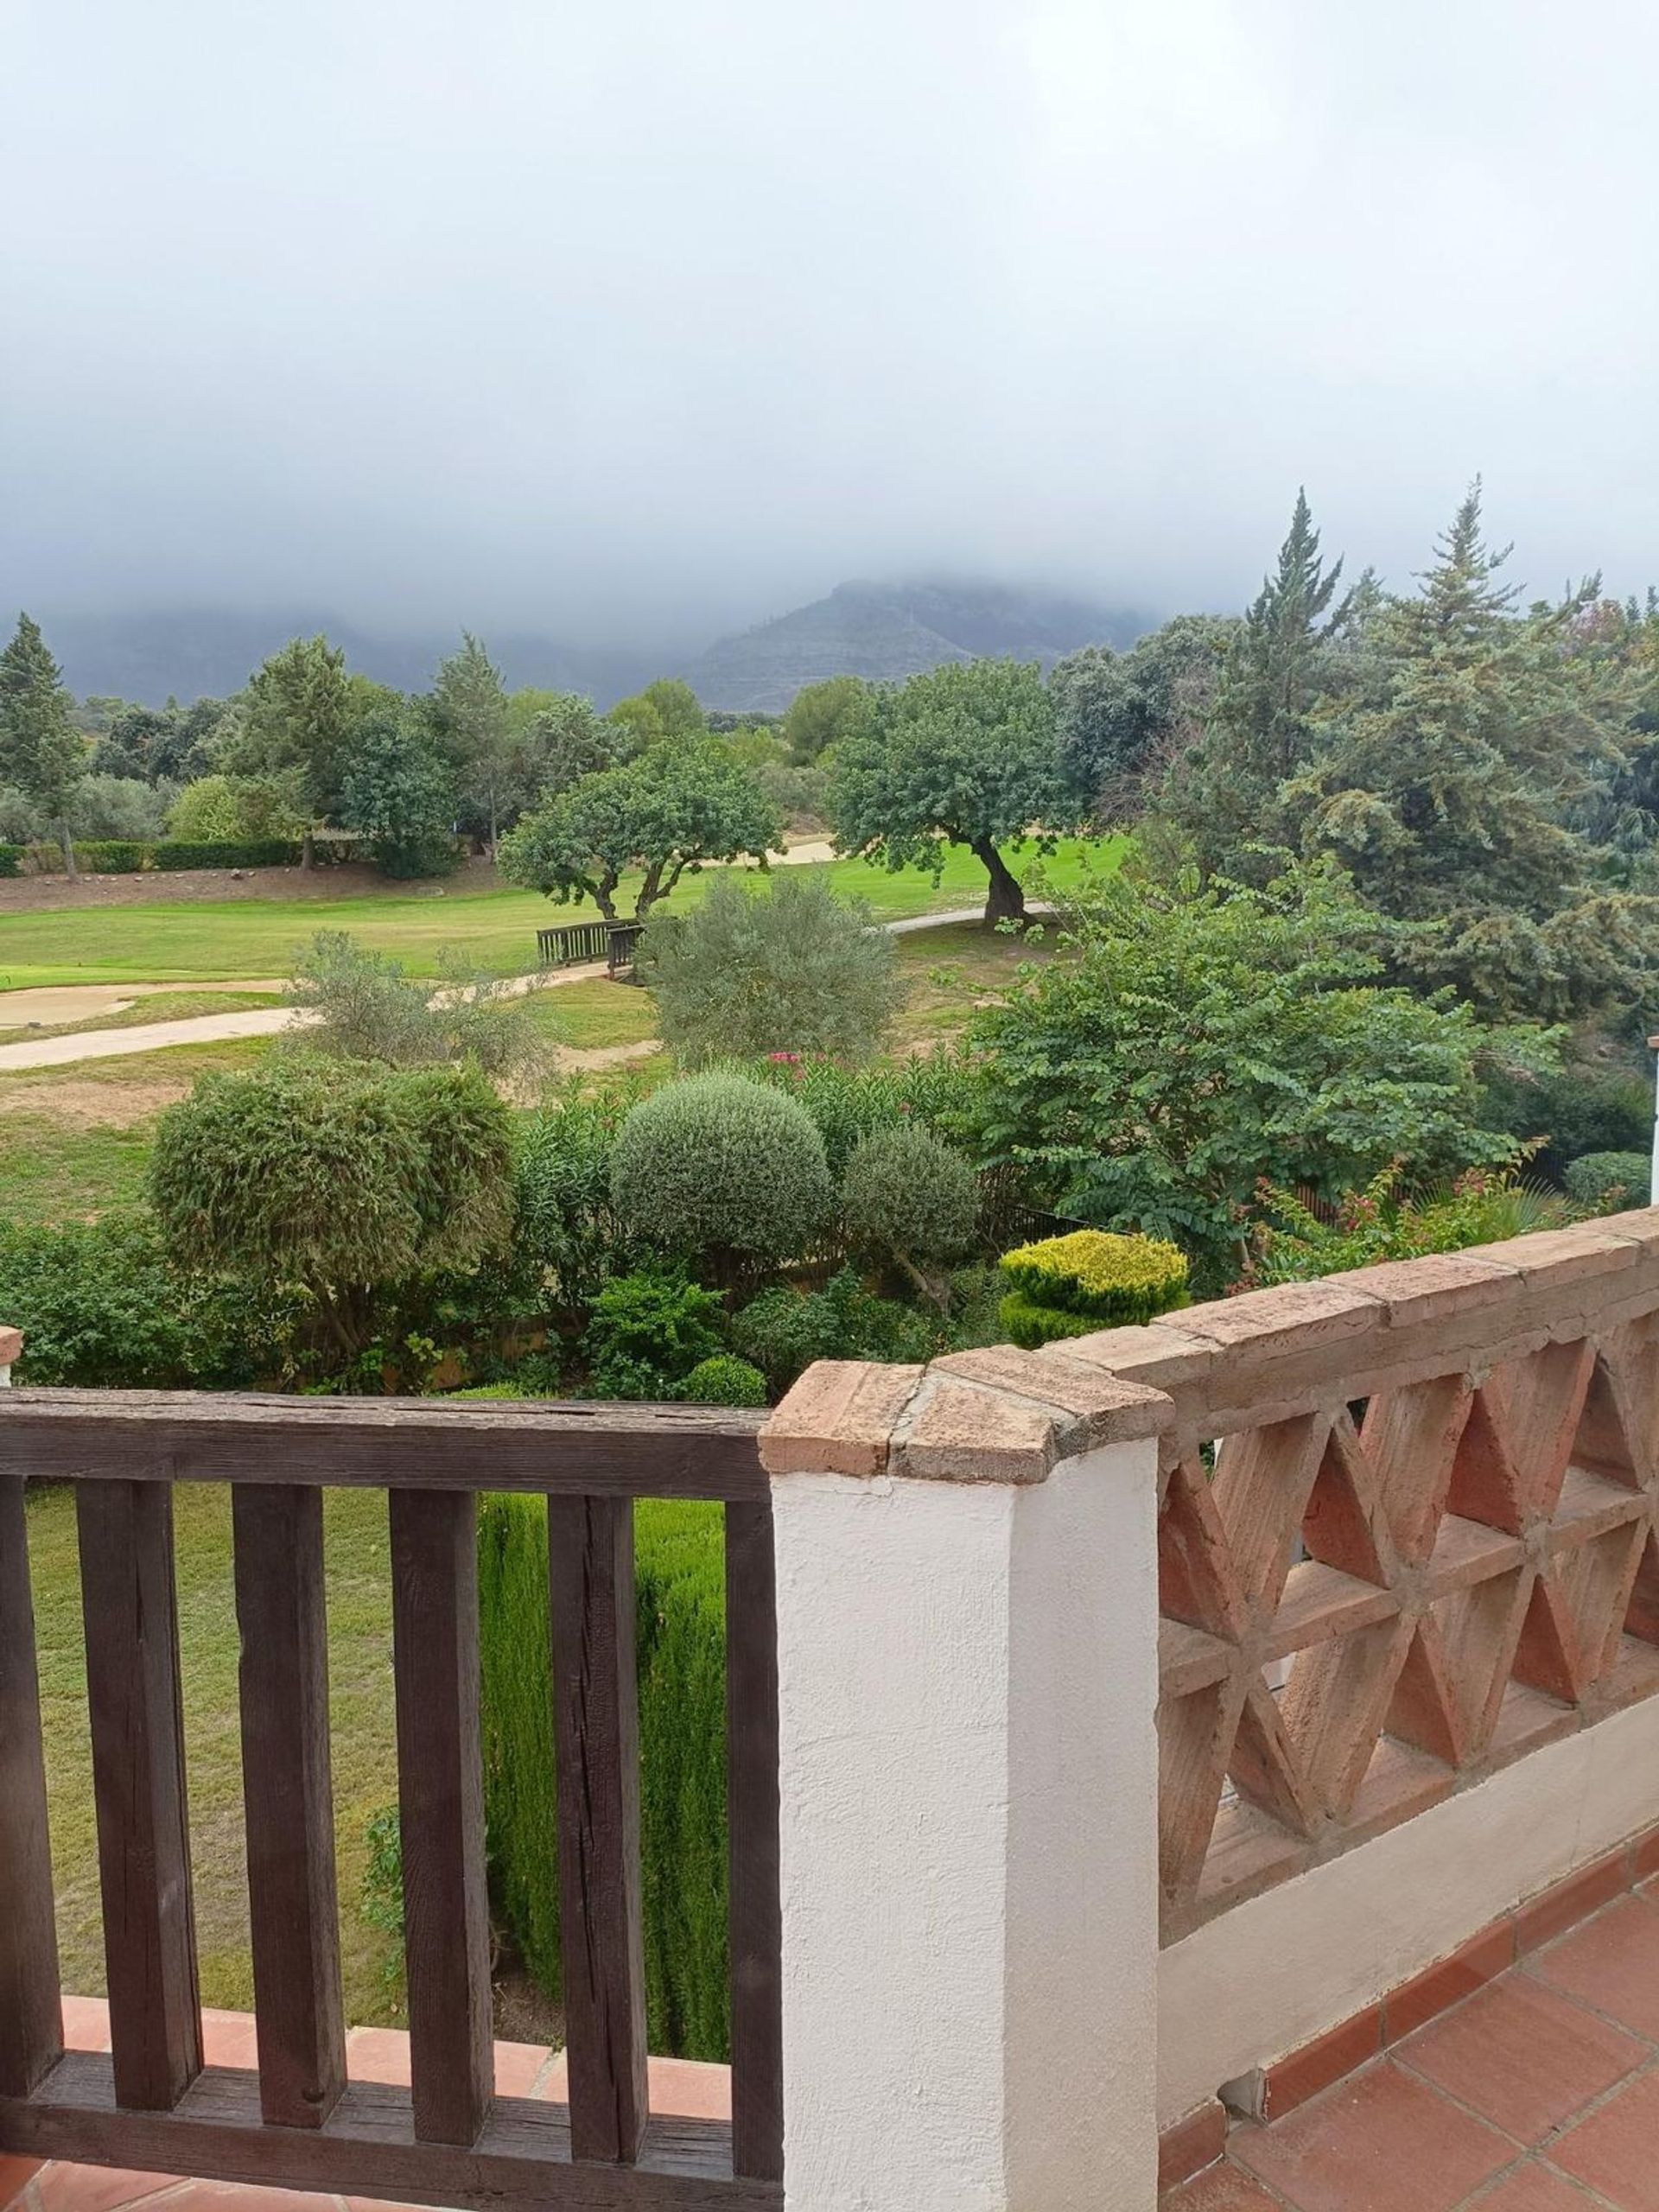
pixel 1406 1533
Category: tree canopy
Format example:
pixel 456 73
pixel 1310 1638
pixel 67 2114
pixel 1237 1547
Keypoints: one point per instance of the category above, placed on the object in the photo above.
pixel 965 754
pixel 299 708
pixel 470 716
pixel 674 807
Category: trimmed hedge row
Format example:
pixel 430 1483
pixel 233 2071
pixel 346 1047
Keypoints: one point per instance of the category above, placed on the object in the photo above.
pixel 129 856
pixel 680 1583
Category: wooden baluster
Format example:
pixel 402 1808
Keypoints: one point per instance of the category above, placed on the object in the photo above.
pixel 756 1911
pixel 31 2015
pixel 289 1795
pixel 143 1842
pixel 441 1792
pixel 596 1737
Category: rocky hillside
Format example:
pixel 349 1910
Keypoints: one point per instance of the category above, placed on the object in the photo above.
pixel 888 632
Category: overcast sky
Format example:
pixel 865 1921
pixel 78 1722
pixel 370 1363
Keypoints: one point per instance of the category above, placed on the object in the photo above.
pixel 641 317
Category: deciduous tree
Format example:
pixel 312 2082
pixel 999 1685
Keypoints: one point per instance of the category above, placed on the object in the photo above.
pixel 965 754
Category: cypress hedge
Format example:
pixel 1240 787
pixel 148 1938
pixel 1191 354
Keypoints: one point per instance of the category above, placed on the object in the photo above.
pixel 680 1581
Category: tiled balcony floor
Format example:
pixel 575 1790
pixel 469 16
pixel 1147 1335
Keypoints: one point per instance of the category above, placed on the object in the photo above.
pixel 678 2087
pixel 1539 2094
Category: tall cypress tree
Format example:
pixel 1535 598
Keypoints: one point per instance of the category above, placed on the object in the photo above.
pixel 469 709
pixel 41 750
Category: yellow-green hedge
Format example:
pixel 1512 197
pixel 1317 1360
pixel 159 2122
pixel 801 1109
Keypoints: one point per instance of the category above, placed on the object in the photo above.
pixel 1066 1286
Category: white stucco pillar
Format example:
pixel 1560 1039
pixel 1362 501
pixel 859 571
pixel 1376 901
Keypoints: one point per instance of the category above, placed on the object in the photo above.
pixel 968 1679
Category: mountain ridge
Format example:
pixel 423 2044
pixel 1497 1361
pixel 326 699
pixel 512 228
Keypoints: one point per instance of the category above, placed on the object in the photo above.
pixel 883 632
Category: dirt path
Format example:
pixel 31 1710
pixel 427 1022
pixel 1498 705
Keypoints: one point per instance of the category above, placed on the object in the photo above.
pixel 260 1021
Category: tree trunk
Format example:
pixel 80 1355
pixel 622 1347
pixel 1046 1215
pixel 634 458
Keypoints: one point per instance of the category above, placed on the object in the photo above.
pixel 1006 902
pixel 68 844
pixel 307 850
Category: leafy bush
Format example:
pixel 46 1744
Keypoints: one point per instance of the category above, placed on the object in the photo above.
pixel 1584 1107
pixel 112 856
pixel 1607 1181
pixel 1388 1220
pixel 566 1229
pixel 1068 1286
pixel 121 808
pixel 1206 1034
pixel 207 811
pixel 784 1330
pixel 101 1308
pixel 364 1006
pixel 400 793
pixel 346 1183
pixel 648 1334
pixel 789 969
pixel 12 858
pixel 939 1092
pixel 178 853
pixel 724 1380
pixel 681 1651
pixel 906 1193
pixel 716 1168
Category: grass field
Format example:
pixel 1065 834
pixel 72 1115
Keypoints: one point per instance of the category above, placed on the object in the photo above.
pixel 360 1701
pixel 495 931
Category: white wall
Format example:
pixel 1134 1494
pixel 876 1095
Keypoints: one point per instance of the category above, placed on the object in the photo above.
pixel 969 1844
pixel 1269 1975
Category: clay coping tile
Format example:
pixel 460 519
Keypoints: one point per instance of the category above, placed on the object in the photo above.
pixel 838 1419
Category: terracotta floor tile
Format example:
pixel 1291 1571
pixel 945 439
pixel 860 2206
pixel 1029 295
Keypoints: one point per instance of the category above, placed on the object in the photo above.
pixel 87 2023
pixel 229 2038
pixel 689 2089
pixel 95 2189
pixel 15 2175
pixel 1225 2188
pixel 1523 2057
pixel 1612 1962
pixel 378 2055
pixel 516 2065
pixel 1531 2187
pixel 1615 2151
pixel 1382 2141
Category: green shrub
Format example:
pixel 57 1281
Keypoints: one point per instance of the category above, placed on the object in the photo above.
pixel 932 1090
pixel 1609 1181
pixel 1070 1285
pixel 346 1183
pixel 784 1330
pixel 176 853
pixel 363 1005
pixel 1389 1220
pixel 648 1332
pixel 113 855
pixel 680 1618
pixel 906 1193
pixel 724 1380
pixel 566 1231
pixel 788 969
pixel 101 1308
pixel 716 1168
pixel 12 858
pixel 1026 1323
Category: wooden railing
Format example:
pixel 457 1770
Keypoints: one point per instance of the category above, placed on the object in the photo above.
pixel 298 2122
pixel 1407 1535
pixel 572 942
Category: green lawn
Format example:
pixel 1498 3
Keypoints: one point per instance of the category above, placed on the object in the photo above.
pixel 360 1654
pixel 238 938
pixel 75 1140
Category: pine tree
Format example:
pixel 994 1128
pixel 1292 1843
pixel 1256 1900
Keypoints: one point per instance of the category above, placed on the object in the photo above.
pixel 469 711
pixel 41 750
pixel 1222 793
pixel 299 713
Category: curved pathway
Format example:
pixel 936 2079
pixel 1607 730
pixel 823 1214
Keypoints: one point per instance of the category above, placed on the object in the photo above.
pixel 271 1021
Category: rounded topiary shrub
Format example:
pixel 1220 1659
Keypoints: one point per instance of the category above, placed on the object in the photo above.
pixel 904 1191
pixel 725 1380
pixel 1608 1180
pixel 715 1165
pixel 1071 1286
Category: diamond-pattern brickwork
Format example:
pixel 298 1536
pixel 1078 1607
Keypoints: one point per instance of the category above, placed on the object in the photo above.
pixel 1363 1608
